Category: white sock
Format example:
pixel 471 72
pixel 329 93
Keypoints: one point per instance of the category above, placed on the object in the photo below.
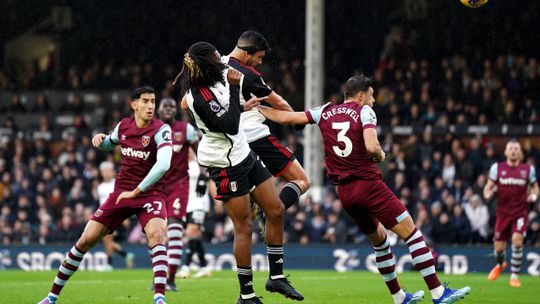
pixel 158 295
pixel 437 292
pixel 399 297
pixel 514 276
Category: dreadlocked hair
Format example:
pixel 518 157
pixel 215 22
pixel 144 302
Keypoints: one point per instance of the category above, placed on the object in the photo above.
pixel 201 67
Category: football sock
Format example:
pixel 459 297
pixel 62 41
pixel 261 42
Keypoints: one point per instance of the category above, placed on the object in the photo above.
pixel 386 264
pixel 290 194
pixel 188 254
pixel 159 266
pixel 424 263
pixel 174 233
pixel 200 252
pixel 515 262
pixel 399 297
pixel 275 259
pixel 66 270
pixel 245 277
pixel 500 256
pixel 122 253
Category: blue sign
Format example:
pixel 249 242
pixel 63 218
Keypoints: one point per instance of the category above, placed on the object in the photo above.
pixel 451 260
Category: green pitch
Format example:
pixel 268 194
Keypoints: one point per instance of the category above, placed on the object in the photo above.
pixel 321 287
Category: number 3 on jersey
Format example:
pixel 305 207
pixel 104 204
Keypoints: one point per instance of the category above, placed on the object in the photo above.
pixel 343 127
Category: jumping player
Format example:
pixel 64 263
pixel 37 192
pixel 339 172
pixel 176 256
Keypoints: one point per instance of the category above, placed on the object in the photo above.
pixel 351 151
pixel 184 136
pixel 213 95
pixel 145 144
pixel 249 52
pixel 513 180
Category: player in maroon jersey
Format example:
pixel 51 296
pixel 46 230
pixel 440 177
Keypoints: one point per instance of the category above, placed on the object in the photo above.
pixel 351 150
pixel 145 144
pixel 513 180
pixel 184 136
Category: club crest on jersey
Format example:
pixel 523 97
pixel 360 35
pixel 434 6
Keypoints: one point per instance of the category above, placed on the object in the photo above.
pixel 98 213
pixel 503 172
pixel 233 186
pixel 523 173
pixel 214 106
pixel 178 136
pixel 145 140
pixel 123 137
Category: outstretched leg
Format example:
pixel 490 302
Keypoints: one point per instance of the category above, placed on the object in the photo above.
pixel 93 232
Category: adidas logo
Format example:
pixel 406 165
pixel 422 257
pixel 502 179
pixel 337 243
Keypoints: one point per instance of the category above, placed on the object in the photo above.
pixel 250 283
pixel 280 261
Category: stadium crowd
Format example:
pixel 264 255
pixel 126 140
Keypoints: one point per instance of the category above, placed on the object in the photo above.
pixel 48 182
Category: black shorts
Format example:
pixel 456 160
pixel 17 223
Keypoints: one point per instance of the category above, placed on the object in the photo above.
pixel 240 179
pixel 274 155
pixel 196 217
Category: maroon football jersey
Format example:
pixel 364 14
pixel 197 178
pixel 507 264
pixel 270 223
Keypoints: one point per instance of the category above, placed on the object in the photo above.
pixel 179 162
pixel 512 189
pixel 139 150
pixel 344 147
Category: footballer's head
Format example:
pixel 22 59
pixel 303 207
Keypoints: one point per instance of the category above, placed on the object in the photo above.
pixel 254 47
pixel 513 151
pixel 167 109
pixel 201 66
pixel 143 102
pixel 359 88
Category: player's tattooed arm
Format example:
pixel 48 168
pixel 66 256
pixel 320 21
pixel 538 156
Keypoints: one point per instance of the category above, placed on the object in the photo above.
pixel 488 189
pixel 284 117
pixel 372 144
pixel 533 196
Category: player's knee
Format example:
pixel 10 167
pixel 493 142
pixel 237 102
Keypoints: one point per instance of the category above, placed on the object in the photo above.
pixel 305 184
pixel 85 243
pixel 157 236
pixel 275 213
pixel 244 227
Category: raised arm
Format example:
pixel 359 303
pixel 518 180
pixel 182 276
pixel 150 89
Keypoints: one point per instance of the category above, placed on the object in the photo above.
pixel 284 117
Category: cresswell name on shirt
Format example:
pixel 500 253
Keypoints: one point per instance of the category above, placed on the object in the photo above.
pixel 135 153
pixel 341 110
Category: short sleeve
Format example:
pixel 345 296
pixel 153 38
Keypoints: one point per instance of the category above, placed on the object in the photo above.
pixel 493 172
pixel 163 136
pixel 532 175
pixel 314 115
pixel 368 117
pixel 114 135
pixel 191 135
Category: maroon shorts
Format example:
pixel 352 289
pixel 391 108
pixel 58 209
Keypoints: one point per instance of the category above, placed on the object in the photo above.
pixel 146 207
pixel 177 199
pixel 506 225
pixel 369 202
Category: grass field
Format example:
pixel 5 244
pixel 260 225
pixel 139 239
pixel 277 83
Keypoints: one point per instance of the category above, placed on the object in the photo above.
pixel 321 287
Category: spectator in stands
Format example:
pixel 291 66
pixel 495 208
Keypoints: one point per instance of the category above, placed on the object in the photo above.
pixel 478 216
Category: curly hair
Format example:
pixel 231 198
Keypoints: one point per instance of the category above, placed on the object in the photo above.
pixel 201 67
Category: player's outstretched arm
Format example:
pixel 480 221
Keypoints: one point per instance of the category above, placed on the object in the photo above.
pixel 372 144
pixel 284 117
pixel 279 102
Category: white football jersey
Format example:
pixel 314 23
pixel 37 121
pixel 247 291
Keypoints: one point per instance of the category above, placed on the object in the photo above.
pixel 196 202
pixel 104 189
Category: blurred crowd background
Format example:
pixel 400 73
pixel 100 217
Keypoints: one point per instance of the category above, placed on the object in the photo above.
pixel 426 76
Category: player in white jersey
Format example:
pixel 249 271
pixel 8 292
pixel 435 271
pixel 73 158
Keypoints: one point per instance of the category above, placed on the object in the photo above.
pixel 248 53
pixel 213 96
pixel 198 206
